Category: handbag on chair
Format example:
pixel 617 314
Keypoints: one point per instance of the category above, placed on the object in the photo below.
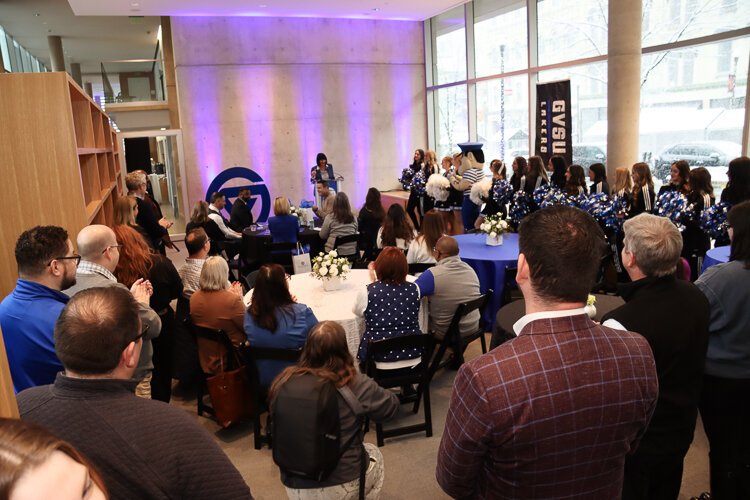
pixel 230 394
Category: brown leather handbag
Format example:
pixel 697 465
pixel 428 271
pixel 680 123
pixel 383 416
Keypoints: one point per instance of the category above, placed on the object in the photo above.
pixel 230 393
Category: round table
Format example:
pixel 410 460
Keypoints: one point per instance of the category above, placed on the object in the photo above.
pixel 715 256
pixel 337 305
pixel 255 243
pixel 489 262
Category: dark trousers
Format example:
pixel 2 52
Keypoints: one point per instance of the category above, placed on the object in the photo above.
pixel 653 477
pixel 469 213
pixel 413 207
pixel 161 380
pixel 725 411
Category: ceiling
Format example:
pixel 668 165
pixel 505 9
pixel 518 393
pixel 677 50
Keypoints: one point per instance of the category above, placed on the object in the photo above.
pixel 410 10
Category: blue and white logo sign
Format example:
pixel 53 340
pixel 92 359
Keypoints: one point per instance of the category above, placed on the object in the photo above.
pixel 255 183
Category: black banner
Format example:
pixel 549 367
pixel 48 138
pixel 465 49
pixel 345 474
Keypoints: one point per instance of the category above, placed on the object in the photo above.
pixel 553 121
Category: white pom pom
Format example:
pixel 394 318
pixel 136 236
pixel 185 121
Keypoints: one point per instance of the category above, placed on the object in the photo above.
pixel 437 187
pixel 480 190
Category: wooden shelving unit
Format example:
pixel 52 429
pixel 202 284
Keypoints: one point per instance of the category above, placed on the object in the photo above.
pixel 60 160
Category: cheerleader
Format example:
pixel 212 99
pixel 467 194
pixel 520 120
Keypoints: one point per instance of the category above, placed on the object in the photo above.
pixel 678 178
pixel 575 181
pixel 622 193
pixel 413 206
pixel 518 179
pixel 598 176
pixel 491 207
pixel 445 207
pixel 558 168
pixel 430 167
pixel 695 242
pixel 456 197
pixel 643 191
pixel 536 176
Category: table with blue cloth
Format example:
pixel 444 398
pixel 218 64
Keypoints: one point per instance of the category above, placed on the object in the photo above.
pixel 715 256
pixel 489 262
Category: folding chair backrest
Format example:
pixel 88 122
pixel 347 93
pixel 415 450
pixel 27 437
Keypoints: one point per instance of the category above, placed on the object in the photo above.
pixel 467 307
pixel 343 240
pixel 420 267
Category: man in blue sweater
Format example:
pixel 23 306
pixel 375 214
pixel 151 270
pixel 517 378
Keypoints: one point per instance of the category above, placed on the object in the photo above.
pixel 46 265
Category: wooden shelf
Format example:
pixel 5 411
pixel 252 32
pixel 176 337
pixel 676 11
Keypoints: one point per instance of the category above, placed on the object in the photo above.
pixel 91 151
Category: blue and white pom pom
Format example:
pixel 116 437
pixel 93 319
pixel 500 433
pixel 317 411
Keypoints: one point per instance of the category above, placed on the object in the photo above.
pixel 438 187
pixel 541 193
pixel 480 191
pixel 598 205
pixel 520 207
pixel 713 220
pixel 418 183
pixel 502 192
pixel 673 205
pixel 407 175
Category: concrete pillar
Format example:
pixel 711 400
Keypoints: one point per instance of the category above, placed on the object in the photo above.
pixel 75 72
pixel 88 88
pixel 170 77
pixel 623 84
pixel 57 58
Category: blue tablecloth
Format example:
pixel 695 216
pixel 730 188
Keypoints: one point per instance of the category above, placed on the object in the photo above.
pixel 489 263
pixel 715 256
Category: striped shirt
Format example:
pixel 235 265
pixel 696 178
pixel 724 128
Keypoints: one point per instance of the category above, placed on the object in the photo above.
pixel 472 175
pixel 549 414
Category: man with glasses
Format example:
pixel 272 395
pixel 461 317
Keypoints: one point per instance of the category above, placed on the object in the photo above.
pixel 143 448
pixel 46 266
pixel 100 254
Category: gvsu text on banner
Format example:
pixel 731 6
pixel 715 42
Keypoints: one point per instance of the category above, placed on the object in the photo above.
pixel 553 127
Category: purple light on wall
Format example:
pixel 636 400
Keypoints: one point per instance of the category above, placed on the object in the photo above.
pixel 359 99
pixel 310 97
pixel 258 103
pixel 404 96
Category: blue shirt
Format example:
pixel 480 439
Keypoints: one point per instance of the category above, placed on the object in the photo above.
pixel 293 325
pixel 27 318
pixel 283 228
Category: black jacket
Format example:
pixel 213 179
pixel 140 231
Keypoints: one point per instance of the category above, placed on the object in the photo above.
pixel 149 221
pixel 673 316
pixel 241 217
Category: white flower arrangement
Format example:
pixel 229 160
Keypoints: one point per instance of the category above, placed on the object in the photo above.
pixel 494 226
pixel 330 265
pixel 299 213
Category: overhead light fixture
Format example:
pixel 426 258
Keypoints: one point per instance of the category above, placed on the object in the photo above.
pixel 135 4
pixel 163 128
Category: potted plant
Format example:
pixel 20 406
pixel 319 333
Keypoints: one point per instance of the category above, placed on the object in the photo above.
pixel 330 269
pixel 494 226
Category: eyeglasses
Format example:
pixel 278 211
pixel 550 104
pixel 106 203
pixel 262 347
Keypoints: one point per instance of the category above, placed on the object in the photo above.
pixel 138 337
pixel 74 256
pixel 118 247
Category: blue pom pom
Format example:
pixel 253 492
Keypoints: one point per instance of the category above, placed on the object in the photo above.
pixel 674 206
pixel 419 183
pixel 520 208
pixel 713 220
pixel 502 192
pixel 407 175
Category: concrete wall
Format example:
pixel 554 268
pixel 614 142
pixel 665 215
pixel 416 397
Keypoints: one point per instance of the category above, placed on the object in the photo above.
pixel 270 93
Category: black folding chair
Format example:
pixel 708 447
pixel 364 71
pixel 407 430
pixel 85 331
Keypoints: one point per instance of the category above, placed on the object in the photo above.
pixel 281 253
pixel 420 268
pixel 252 355
pixel 250 280
pixel 455 340
pixel 402 377
pixel 345 240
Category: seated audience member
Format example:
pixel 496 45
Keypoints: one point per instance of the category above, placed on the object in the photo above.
pixel 125 213
pixel 198 246
pixel 46 265
pixel 34 464
pixel 146 216
pixel 553 412
pixel 390 307
pixel 219 306
pixel 598 177
pixel 284 226
pixel 397 230
pixel 326 195
pixel 369 220
pixel 326 355
pixel 421 248
pixel 241 216
pixel 724 405
pixel 199 219
pixel 100 254
pixel 678 341
pixel 218 202
pixel 275 319
pixel 137 262
pixel 144 449
pixel 450 283
pixel 340 222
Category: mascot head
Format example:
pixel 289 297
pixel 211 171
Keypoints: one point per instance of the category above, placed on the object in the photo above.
pixel 473 156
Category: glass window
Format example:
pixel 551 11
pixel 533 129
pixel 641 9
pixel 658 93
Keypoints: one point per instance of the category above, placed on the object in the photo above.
pixel 666 21
pixel 503 118
pixel 696 117
pixel 571 30
pixel 4 49
pixel 500 41
pixel 449 33
pixel 451 119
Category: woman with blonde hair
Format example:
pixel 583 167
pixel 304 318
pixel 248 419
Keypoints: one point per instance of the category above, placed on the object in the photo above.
pixel 283 226
pixel 643 190
pixel 36 464
pixel 326 356
pixel 431 166
pixel 125 213
pixel 421 248
pixel 199 218
pixel 217 305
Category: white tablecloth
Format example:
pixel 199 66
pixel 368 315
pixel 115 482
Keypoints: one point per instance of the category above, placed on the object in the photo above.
pixel 337 305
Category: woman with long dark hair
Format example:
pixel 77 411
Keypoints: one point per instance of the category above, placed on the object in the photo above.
pixel 695 242
pixel 326 356
pixel 738 186
pixel 643 190
pixel 575 181
pixel 323 171
pixel 558 167
pixel 341 222
pixel 518 179
pixel 396 230
pixel 679 178
pixel 275 319
pixel 725 405
pixel 413 207
pixel 421 248
pixel 536 176
pixel 369 220
pixel 598 176
pixel 136 262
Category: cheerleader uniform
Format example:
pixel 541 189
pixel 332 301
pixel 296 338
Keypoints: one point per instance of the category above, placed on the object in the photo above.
pixel 428 202
pixel 491 207
pixel 695 242
pixel 600 187
pixel 644 203
pixel 446 206
pixel 413 206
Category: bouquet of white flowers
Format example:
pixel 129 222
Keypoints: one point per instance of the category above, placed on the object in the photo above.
pixel 494 226
pixel 330 265
pixel 299 213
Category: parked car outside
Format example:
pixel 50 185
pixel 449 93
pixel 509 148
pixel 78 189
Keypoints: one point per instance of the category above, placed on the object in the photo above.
pixel 697 154
pixel 586 155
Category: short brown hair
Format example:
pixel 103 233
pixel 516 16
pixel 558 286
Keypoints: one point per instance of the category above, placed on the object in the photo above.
pixel 196 240
pixel 217 195
pixel 391 266
pixel 563 247
pixel 94 328
pixel 36 247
